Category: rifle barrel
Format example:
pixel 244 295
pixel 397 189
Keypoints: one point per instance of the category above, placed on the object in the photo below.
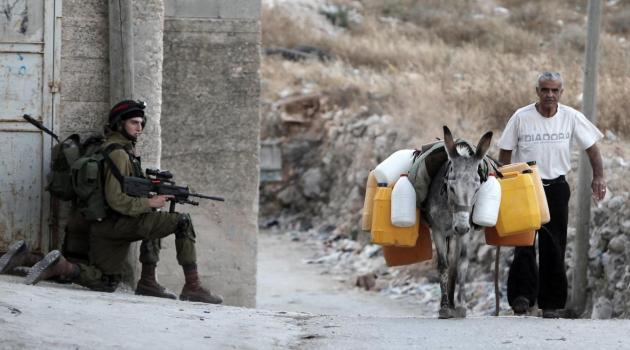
pixel 40 126
pixel 220 199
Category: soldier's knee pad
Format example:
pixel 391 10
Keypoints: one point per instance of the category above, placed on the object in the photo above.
pixel 184 227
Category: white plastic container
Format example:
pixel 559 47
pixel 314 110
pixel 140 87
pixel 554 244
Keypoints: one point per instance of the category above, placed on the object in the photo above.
pixel 487 203
pixel 403 203
pixel 390 169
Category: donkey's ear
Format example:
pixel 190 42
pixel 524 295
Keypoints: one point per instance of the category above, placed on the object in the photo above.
pixel 483 145
pixel 449 144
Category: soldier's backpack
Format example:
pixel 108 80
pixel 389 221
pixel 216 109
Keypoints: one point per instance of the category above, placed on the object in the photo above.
pixel 88 183
pixel 77 174
pixel 64 154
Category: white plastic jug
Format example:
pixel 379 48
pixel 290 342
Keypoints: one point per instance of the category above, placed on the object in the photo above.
pixel 487 203
pixel 390 169
pixel 403 203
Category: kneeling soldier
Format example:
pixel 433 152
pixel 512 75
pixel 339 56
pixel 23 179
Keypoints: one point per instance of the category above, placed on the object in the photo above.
pixel 129 219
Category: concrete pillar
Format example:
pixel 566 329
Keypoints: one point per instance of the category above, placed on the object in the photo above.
pixel 148 29
pixel 120 51
pixel 210 134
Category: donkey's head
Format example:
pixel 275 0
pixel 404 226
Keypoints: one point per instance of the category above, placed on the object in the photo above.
pixel 462 178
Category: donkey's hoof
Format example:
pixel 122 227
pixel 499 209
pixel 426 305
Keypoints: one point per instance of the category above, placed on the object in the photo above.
pixel 459 312
pixel 445 313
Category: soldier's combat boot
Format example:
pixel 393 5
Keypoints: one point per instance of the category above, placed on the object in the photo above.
pixel 18 254
pixel 52 265
pixel 194 291
pixel 148 285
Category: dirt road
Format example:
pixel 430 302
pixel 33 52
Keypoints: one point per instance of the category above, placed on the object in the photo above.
pixel 286 282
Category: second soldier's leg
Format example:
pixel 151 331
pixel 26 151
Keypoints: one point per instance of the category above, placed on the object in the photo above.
pixel 108 247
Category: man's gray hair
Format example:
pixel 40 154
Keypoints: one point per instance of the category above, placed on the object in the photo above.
pixel 555 76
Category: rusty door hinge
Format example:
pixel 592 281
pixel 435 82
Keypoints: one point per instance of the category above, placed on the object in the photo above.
pixel 55 86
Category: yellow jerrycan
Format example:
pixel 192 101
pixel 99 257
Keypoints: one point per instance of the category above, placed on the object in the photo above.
pixel 423 250
pixel 519 239
pixel 519 210
pixel 383 232
pixel 540 191
pixel 540 194
pixel 368 202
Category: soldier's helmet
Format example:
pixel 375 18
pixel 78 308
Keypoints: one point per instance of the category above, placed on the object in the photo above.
pixel 124 110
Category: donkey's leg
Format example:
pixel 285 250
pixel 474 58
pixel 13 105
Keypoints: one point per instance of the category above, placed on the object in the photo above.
pixel 461 261
pixel 442 259
pixel 452 278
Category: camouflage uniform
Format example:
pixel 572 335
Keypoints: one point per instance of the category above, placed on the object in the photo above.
pixel 131 219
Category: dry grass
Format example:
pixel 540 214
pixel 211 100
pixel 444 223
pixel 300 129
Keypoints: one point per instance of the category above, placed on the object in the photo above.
pixel 451 61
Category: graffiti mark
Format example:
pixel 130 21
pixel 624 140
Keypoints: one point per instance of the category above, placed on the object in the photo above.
pixel 24 24
pixel 20 57
pixel 7 8
pixel 22 70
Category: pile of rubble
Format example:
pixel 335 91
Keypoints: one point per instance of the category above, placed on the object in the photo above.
pixel 609 258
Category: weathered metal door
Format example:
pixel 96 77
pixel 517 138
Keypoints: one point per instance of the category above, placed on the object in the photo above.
pixel 29 52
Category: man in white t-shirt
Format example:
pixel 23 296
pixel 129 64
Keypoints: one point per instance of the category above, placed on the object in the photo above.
pixel 544 132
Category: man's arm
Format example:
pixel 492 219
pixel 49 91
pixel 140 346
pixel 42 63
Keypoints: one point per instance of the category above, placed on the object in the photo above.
pixel 599 184
pixel 114 195
pixel 505 156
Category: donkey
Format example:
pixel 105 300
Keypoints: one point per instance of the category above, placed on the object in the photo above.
pixel 448 210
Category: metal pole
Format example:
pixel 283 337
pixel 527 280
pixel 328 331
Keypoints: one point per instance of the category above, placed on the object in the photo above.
pixel 497 291
pixel 585 173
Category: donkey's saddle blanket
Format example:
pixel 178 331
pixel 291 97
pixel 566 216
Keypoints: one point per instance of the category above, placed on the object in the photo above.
pixel 428 161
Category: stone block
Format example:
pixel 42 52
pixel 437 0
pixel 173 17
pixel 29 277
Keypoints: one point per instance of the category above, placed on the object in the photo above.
pixel 210 127
pixel 225 9
pixel 84 37
pixel 84 9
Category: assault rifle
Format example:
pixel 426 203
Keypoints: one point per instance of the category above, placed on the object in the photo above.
pixel 161 183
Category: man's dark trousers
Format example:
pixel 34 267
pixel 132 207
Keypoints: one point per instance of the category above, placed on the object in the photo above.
pixel 547 284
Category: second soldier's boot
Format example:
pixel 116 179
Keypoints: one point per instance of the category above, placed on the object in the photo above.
pixel 52 265
pixel 148 285
pixel 18 254
pixel 194 291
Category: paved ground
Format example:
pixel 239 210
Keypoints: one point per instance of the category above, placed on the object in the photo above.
pixel 53 316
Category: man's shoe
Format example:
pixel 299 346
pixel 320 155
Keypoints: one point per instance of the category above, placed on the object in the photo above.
pixel 153 289
pixel 52 265
pixel 550 313
pixel 14 256
pixel 520 305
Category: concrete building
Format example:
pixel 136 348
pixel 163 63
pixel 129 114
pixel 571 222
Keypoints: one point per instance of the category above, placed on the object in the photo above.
pixel 195 63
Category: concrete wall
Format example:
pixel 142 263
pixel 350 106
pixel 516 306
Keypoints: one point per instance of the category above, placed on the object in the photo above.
pixel 84 67
pixel 210 134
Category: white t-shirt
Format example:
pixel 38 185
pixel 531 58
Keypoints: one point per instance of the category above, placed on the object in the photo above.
pixel 530 136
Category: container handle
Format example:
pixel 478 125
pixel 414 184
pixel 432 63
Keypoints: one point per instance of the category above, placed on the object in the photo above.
pixel 510 174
